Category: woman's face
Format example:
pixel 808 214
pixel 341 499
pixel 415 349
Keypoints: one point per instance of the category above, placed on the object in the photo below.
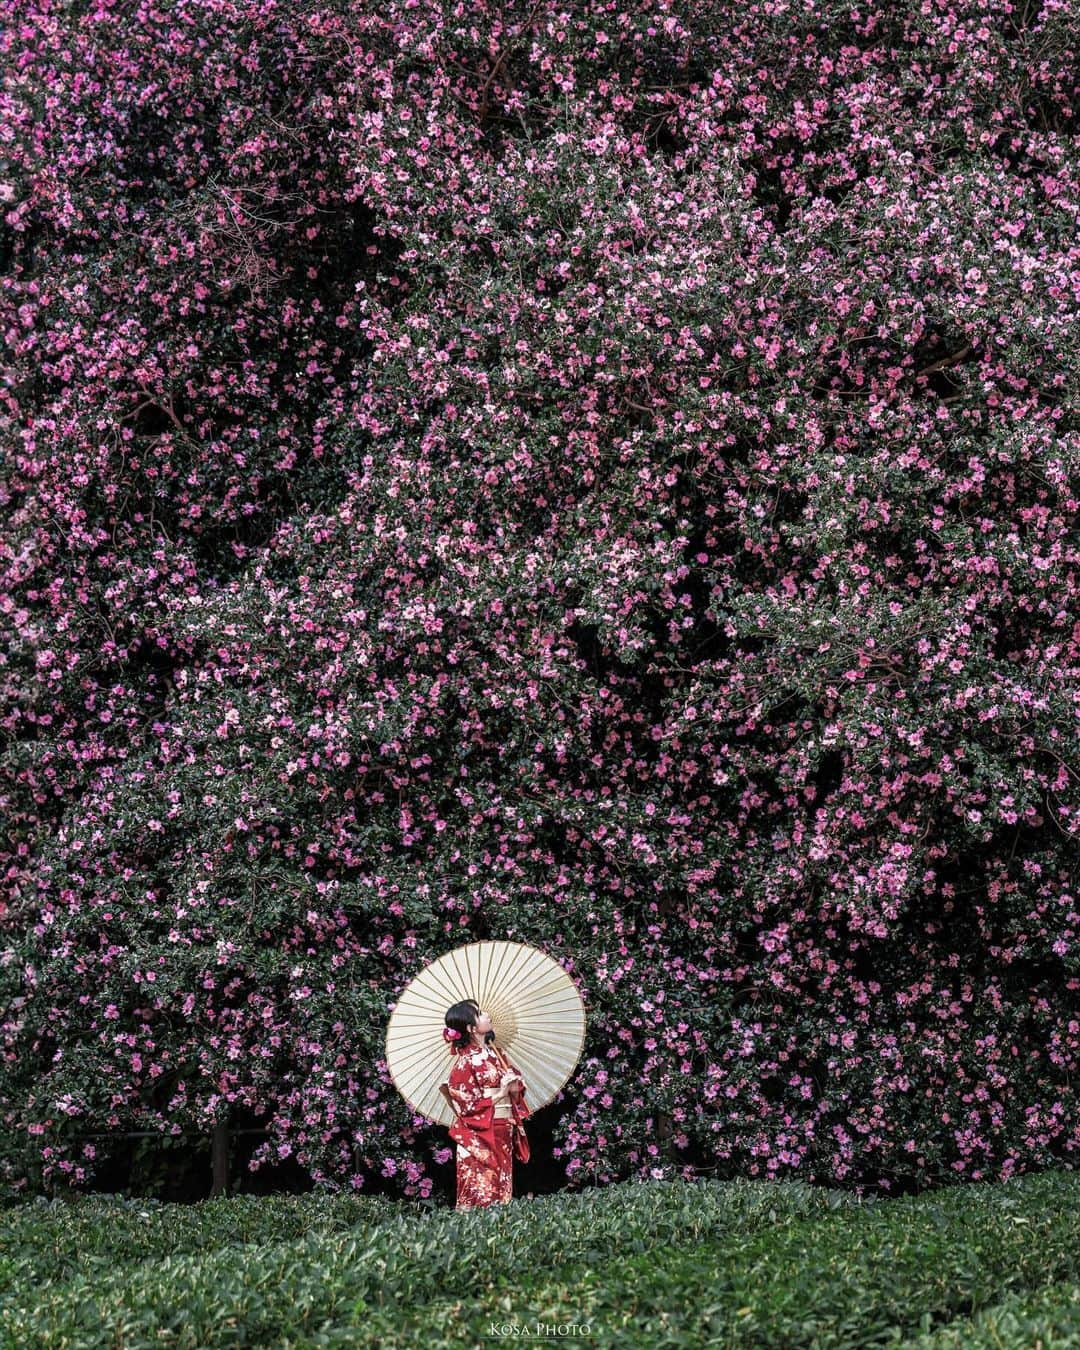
pixel 482 1026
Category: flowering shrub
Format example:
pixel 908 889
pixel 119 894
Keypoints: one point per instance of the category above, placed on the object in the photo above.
pixel 590 475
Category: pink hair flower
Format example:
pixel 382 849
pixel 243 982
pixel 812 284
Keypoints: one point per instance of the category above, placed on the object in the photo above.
pixel 451 1034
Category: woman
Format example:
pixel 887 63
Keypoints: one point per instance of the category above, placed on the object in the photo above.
pixel 489 1100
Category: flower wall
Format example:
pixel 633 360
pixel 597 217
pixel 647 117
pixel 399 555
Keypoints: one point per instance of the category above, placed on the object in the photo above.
pixel 600 475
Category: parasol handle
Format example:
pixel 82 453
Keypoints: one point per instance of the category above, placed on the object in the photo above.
pixel 501 1056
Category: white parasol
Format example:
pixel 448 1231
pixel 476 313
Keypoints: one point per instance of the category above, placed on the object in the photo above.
pixel 536 1012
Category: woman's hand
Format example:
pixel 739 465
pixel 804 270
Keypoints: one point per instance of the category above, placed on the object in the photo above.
pixel 507 1082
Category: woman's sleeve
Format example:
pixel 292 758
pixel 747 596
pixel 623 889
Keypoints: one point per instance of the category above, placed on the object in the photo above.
pixel 467 1094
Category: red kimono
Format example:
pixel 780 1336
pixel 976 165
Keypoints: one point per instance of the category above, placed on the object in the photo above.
pixel 486 1144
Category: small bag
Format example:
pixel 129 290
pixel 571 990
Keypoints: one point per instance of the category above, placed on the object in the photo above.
pixel 521 1143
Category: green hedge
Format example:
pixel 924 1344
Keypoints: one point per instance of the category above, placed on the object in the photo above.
pixel 47 1241
pixel 738 1263
pixel 1047 1318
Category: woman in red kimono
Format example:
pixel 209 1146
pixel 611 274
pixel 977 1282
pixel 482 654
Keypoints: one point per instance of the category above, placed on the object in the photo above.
pixel 489 1100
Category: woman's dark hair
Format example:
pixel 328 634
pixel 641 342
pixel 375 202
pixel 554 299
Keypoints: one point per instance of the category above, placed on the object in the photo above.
pixel 461 1016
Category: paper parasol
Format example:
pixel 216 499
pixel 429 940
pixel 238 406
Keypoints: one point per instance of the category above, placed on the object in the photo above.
pixel 536 1013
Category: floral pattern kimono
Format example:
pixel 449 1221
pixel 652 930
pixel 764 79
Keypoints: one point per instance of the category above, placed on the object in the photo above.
pixel 486 1143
